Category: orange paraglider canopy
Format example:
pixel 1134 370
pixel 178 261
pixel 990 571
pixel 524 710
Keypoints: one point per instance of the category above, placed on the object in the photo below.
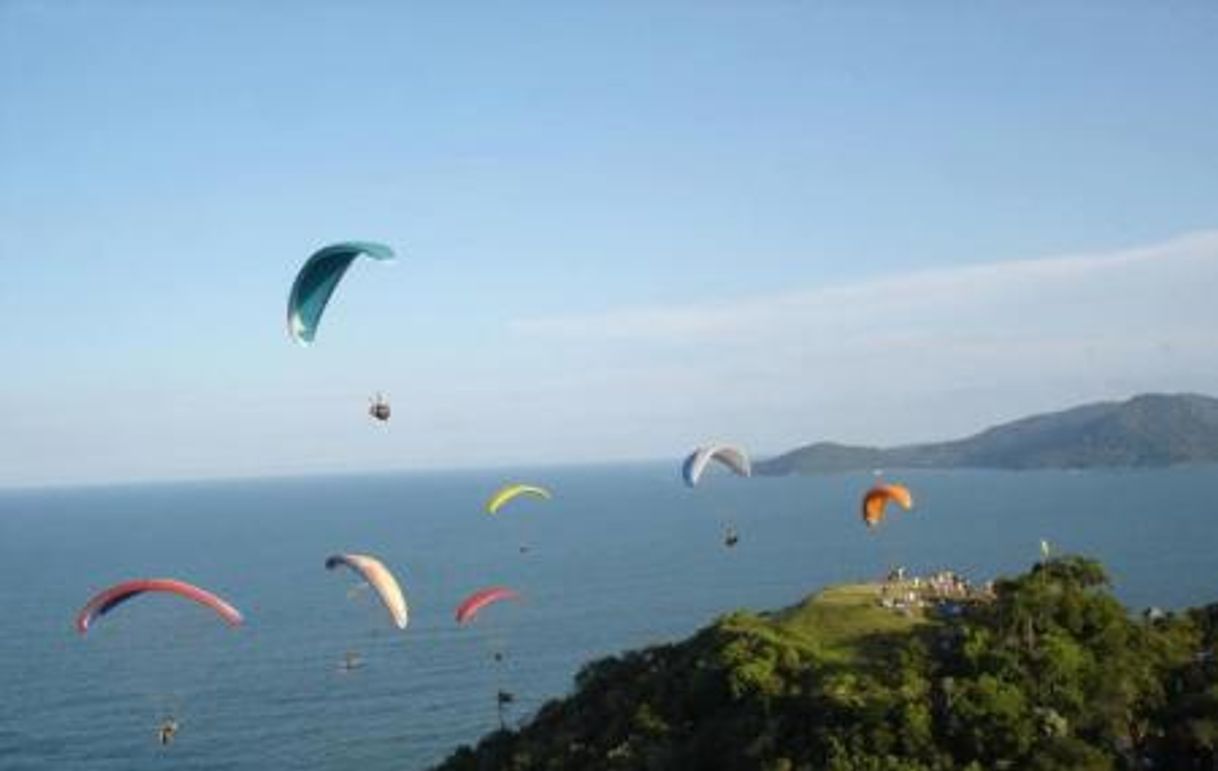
pixel 876 500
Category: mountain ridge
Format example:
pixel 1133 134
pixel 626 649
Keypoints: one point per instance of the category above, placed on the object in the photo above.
pixel 1147 430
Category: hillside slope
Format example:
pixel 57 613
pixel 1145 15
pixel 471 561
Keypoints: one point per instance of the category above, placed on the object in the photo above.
pixel 1049 672
pixel 1147 430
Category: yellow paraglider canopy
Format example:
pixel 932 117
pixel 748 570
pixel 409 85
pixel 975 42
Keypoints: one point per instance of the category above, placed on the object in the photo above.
pixel 508 492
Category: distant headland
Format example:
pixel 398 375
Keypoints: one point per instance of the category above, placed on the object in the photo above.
pixel 1150 430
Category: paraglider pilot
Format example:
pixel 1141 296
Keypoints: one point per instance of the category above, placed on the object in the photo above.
pixel 379 409
pixel 167 731
pixel 731 537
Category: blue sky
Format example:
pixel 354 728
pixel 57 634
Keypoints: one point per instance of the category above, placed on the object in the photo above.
pixel 637 172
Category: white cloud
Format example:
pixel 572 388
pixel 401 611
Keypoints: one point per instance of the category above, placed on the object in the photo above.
pixel 925 354
pixel 878 301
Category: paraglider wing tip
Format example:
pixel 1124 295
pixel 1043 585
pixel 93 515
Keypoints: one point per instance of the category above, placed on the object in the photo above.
pixel 374 249
pixel 333 561
pixel 298 330
pixel 383 251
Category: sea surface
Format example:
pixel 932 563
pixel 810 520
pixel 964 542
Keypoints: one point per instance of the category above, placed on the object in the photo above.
pixel 621 557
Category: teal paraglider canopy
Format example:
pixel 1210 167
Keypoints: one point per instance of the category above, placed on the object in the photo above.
pixel 317 280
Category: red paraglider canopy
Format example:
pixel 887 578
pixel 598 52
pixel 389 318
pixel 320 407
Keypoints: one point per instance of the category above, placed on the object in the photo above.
pixel 105 601
pixel 470 606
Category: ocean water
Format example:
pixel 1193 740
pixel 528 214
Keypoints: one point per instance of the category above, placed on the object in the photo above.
pixel 622 557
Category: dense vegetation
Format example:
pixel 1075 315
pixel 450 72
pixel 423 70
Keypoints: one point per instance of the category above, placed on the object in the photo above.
pixel 1051 672
pixel 1147 430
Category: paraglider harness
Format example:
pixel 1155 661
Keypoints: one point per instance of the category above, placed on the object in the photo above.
pixel 379 408
pixel 731 537
pixel 167 730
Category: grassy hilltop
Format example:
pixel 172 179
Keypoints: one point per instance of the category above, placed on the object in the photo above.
pixel 1048 671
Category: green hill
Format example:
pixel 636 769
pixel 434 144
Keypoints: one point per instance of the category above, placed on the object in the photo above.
pixel 1047 672
pixel 1147 430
